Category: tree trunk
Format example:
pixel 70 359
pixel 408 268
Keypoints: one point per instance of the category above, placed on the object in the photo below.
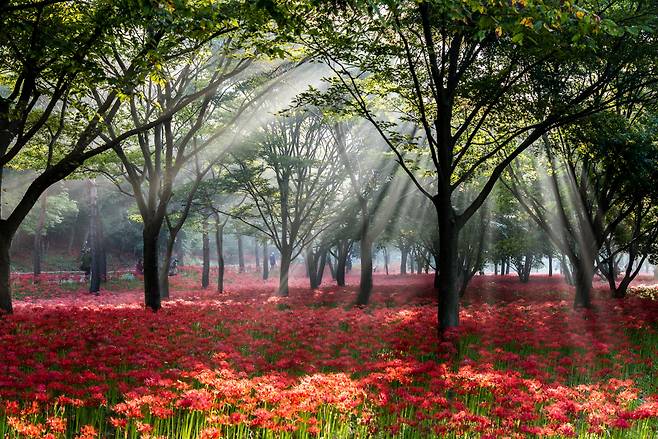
pixel 5 269
pixel 495 268
pixel 166 263
pixel 151 282
pixel 550 265
pixel 306 266
pixel 341 262
pixel 386 261
pixel 95 274
pixel 527 267
pixel 37 250
pixel 266 262
pixel 566 271
pixel 320 270
pixel 620 290
pixel 316 262
pixel 286 256
pixel 240 255
pixel 609 273
pixel 583 281
pixel 205 270
pixel 256 254
pixel 365 284
pixel 403 260
pixel 332 268
pixel 312 268
pixel 219 241
pixel 448 294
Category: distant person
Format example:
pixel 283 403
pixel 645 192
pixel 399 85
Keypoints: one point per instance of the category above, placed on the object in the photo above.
pixel 173 267
pixel 139 266
pixel 272 260
pixel 85 261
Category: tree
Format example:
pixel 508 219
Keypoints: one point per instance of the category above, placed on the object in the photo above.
pixel 446 84
pixel 52 209
pixel 370 181
pixel 215 197
pixel 68 67
pixel 515 236
pixel 210 82
pixel 633 240
pixel 291 178
pixel 585 171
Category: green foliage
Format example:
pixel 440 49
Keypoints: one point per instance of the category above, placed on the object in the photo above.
pixel 58 207
pixel 456 87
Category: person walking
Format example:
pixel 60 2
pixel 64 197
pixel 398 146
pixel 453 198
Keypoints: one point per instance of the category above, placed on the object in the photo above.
pixel 85 261
pixel 139 267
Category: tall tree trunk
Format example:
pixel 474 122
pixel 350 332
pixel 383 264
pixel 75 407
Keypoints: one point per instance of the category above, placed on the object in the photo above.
pixel 150 236
pixel 332 268
pixel 286 256
pixel 316 262
pixel 205 270
pixel 166 263
pixel 306 266
pixel 527 267
pixel 256 254
pixel 240 254
pixel 495 268
pixel 312 268
pixel 568 278
pixel 403 259
pixel 386 261
pixel 341 263
pixel 5 269
pixel 550 265
pixel 266 262
pixel 219 241
pixel 37 250
pixel 609 272
pixel 365 284
pixel 448 294
pixel 582 276
pixel 95 274
pixel 320 270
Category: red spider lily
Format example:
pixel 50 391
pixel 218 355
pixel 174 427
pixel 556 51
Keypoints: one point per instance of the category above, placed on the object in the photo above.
pixel 522 363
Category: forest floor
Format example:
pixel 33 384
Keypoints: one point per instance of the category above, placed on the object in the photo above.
pixel 246 364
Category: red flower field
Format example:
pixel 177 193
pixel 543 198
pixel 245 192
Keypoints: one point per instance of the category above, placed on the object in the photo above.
pixel 244 364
